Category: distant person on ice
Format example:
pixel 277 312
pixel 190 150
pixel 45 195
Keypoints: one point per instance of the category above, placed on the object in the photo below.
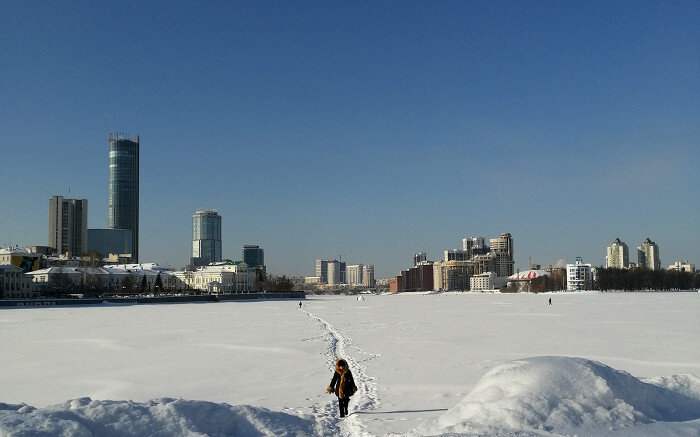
pixel 342 385
pixel 300 303
pixel 550 300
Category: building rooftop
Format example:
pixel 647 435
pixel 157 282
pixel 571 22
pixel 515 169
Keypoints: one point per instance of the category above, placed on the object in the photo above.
pixel 17 250
pixel 527 274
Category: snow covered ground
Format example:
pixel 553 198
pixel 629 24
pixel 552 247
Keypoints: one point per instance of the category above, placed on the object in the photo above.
pixel 425 364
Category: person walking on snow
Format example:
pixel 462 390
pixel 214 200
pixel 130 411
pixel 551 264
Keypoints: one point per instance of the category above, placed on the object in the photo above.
pixel 550 300
pixel 343 385
pixel 299 304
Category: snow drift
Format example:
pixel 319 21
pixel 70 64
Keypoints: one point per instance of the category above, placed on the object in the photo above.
pixel 534 396
pixel 567 395
pixel 529 397
pixel 159 417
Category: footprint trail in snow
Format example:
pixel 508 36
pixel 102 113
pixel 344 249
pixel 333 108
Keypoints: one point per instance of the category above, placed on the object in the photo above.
pixel 366 398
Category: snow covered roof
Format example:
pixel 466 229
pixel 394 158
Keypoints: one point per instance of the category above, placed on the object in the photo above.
pixel 9 267
pixel 216 269
pixel 227 263
pixel 107 270
pixel 18 251
pixel 69 270
pixel 527 274
pixel 137 267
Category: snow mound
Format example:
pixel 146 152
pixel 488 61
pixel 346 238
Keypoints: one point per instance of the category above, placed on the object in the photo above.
pixel 159 417
pixel 569 395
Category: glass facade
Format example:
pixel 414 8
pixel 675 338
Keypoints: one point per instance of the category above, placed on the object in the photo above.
pixel 109 241
pixel 124 187
pixel 206 236
pixel 254 256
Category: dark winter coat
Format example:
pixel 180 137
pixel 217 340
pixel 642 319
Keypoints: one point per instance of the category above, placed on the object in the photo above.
pixel 349 387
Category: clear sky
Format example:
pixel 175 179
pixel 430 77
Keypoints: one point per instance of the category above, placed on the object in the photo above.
pixel 369 130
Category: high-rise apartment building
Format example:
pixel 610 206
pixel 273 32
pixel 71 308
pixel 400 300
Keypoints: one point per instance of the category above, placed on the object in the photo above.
pixel 343 272
pixel 419 258
pixel 484 264
pixel 502 249
pixel 368 276
pixel 456 255
pixel 333 272
pixel 68 225
pixel 474 246
pixel 648 255
pixel 322 270
pixel 355 274
pixel 617 255
pixel 206 237
pixel 124 187
pixel 451 275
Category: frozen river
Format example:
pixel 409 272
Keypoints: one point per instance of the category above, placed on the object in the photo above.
pixel 415 355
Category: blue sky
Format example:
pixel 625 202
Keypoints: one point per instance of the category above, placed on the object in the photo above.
pixel 369 130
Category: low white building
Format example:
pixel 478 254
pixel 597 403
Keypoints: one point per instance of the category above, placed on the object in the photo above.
pixel 108 279
pixel 10 282
pixel 682 266
pixel 61 277
pixel 64 260
pixel 483 281
pixel 150 271
pixel 579 276
pixel 225 277
pixel 312 280
pixel 25 260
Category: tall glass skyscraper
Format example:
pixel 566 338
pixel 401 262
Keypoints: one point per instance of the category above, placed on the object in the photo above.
pixel 124 187
pixel 206 237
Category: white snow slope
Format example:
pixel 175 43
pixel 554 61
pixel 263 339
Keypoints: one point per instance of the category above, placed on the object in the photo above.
pixel 438 364
pixel 159 417
pixel 567 395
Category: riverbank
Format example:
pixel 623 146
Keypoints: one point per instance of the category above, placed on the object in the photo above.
pixel 49 302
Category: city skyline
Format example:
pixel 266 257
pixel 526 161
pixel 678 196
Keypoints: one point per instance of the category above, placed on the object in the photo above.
pixel 367 131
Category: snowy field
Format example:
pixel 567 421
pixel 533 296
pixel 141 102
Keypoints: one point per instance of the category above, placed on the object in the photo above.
pixel 425 364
